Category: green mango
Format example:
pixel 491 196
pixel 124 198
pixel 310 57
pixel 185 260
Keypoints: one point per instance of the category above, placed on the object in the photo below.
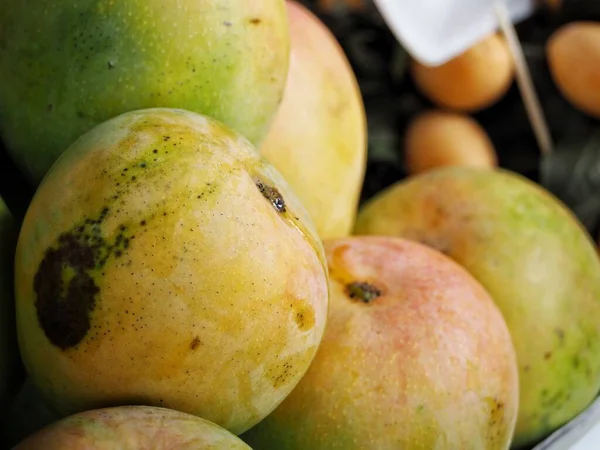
pixel 536 260
pixel 68 66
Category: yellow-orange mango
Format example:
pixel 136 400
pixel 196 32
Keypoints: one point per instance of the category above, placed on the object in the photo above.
pixel 318 138
pixel 415 356
pixel 164 262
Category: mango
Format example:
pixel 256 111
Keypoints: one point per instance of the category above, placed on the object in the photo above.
pixel 437 138
pixel 472 81
pixel 133 428
pixel 416 355
pixel 318 139
pixel 164 262
pixel 535 259
pixel 573 53
pixel 68 66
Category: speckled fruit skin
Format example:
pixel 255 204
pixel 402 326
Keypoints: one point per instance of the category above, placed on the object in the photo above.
pixel 68 66
pixel 318 140
pixel 184 284
pixel 533 257
pixel 428 364
pixel 133 428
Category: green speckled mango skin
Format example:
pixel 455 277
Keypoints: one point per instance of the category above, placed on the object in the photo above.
pixel 534 258
pixel 133 428
pixel 68 66
pixel 192 290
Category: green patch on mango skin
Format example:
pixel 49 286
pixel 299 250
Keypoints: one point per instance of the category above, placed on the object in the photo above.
pixel 536 260
pixel 68 67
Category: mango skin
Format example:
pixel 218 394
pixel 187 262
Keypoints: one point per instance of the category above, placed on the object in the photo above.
pixel 427 364
pixel 318 139
pixel 133 428
pixel 535 259
pixel 67 67
pixel 193 291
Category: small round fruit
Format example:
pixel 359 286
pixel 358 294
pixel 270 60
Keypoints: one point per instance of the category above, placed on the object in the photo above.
pixel 133 428
pixel 440 138
pixel 415 356
pixel 573 53
pixel 164 262
pixel 473 80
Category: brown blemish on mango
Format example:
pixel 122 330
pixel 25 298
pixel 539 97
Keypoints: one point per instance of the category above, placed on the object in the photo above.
pixel 65 282
pixel 362 291
pixel 304 315
pixel 195 343
pixel 273 195
pixel 287 367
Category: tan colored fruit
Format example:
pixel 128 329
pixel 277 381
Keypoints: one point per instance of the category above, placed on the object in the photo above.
pixel 162 261
pixel 535 259
pixel 573 53
pixel 318 139
pixel 472 81
pixel 441 138
pixel 133 428
pixel 415 356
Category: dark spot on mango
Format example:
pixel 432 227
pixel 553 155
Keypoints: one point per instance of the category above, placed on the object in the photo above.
pixel 273 195
pixel 66 292
pixel 195 343
pixel 560 333
pixel 304 315
pixel 255 21
pixel 111 65
pixel 547 355
pixel 65 281
pixel 227 23
pixel 362 291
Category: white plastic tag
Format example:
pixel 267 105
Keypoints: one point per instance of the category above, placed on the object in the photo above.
pixel 435 31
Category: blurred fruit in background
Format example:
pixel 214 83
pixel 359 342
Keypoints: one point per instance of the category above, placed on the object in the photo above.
pixel 440 138
pixel 573 53
pixel 472 81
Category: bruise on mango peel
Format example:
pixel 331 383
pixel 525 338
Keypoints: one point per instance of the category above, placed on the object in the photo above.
pixel 65 282
pixel 273 195
pixel 362 291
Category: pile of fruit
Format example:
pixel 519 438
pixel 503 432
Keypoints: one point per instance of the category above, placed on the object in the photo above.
pixel 195 271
